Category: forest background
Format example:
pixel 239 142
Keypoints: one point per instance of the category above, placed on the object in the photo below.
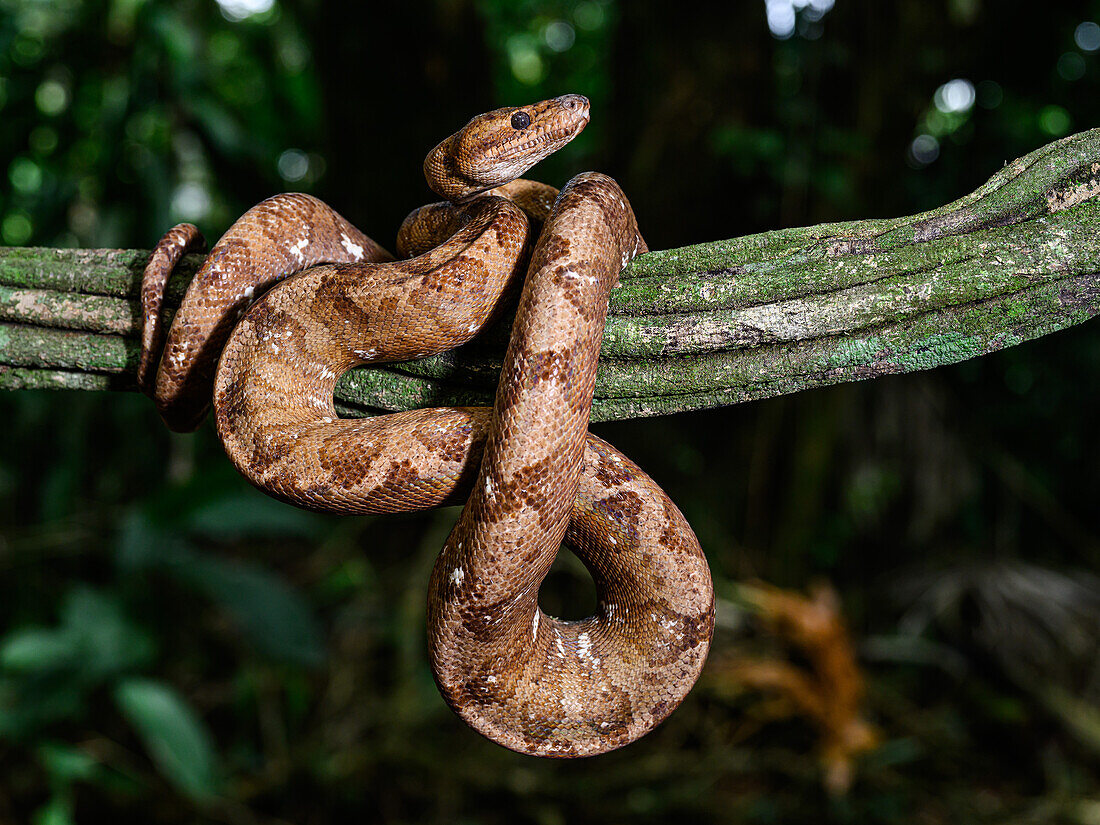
pixel 175 647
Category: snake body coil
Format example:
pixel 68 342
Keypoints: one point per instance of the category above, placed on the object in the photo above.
pixel 529 472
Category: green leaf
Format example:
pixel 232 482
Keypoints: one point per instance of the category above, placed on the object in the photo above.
pixel 110 642
pixel 276 620
pixel 141 546
pixel 58 811
pixel 50 671
pixel 66 763
pixel 95 639
pixel 251 514
pixel 38 649
pixel 34 700
pixel 176 738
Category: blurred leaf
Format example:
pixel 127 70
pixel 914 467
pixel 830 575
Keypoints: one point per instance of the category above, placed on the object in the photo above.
pixel 275 618
pixel 140 545
pixel 30 703
pixel 58 811
pixel 53 670
pixel 110 643
pixel 222 127
pixel 177 740
pixel 66 763
pixel 251 514
pixel 38 649
pixel 218 506
pixel 95 640
pixel 1080 717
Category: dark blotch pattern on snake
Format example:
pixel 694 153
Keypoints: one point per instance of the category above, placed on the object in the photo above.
pixel 530 474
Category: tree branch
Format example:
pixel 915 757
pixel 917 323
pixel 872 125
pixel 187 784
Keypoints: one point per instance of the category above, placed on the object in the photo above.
pixel 690 328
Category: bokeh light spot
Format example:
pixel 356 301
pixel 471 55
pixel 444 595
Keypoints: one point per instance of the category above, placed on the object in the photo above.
pixel 25 176
pixel 1054 120
pixel 43 139
pixel 26 50
pixel 51 97
pixel 83 218
pixel 1071 66
pixel 16 228
pixel 191 201
pixel 1087 36
pixel 783 17
pixel 525 61
pixel 589 16
pixel 990 94
pixel 558 36
pixel 956 96
pixel 293 165
pixel 293 55
pixel 238 10
pixel 924 149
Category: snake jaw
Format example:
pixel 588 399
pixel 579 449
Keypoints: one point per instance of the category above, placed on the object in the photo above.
pixel 490 150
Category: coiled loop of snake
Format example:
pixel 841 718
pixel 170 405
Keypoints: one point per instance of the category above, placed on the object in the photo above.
pixel 527 469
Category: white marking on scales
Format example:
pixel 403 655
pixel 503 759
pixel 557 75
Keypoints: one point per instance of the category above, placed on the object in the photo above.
pixel 298 247
pixel 352 247
pixel 584 648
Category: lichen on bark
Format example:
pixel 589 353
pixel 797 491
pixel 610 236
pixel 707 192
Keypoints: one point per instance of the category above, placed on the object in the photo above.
pixel 701 326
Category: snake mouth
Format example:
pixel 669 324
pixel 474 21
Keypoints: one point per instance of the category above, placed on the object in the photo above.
pixel 555 139
pixel 499 146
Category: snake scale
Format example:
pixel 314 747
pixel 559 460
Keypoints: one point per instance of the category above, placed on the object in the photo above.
pixel 530 474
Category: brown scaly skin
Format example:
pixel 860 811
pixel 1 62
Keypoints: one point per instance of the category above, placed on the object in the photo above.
pixel 179 240
pixel 526 680
pixel 530 682
pixel 276 238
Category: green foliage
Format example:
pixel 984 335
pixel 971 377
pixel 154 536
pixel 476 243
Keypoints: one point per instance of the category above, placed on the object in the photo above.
pixel 175 737
pixel 49 675
pixel 49 672
pixel 541 47
pixel 118 115
pixel 273 617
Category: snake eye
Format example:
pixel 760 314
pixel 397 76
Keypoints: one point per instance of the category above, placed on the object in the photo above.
pixel 521 120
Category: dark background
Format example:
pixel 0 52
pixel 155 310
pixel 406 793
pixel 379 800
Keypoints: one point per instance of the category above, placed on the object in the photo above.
pixel 175 647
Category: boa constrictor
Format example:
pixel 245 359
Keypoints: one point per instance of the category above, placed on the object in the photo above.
pixel 527 468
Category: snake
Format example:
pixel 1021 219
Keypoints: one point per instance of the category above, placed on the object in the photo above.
pixel 293 296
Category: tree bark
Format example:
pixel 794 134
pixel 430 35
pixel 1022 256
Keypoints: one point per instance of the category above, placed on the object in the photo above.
pixel 691 328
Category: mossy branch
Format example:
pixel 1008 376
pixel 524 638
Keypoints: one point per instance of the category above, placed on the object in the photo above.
pixel 689 328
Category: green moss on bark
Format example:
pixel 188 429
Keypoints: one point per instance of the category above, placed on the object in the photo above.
pixel 702 326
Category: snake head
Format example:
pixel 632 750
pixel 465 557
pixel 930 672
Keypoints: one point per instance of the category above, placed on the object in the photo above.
pixel 499 146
